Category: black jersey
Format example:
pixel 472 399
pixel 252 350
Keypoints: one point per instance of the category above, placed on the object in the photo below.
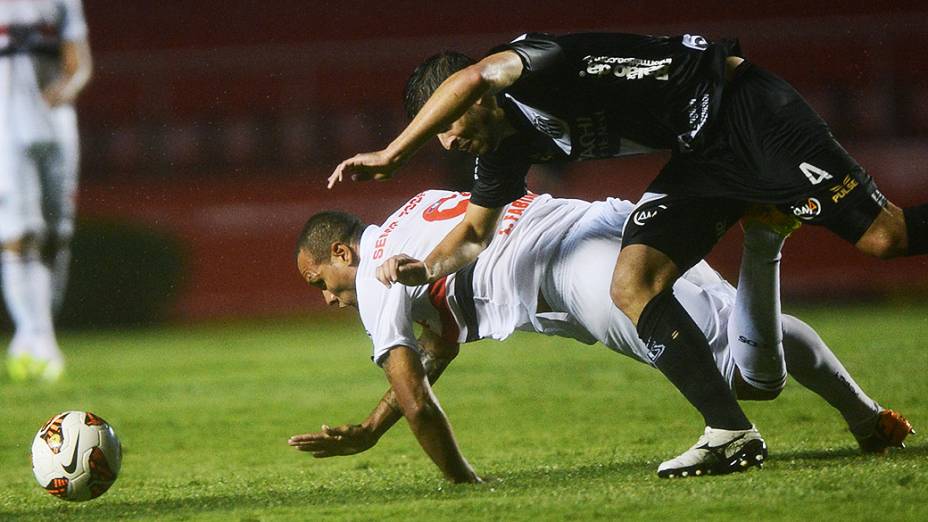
pixel 600 95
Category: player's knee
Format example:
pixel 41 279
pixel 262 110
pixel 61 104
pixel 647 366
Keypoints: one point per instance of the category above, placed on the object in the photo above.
pixel 630 292
pixel 748 392
pixel 22 245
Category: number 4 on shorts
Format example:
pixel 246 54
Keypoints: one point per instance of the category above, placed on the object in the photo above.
pixel 815 174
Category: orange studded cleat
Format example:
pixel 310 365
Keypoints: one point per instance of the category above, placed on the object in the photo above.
pixel 890 431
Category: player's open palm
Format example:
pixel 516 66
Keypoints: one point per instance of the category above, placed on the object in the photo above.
pixel 365 166
pixel 347 439
pixel 404 270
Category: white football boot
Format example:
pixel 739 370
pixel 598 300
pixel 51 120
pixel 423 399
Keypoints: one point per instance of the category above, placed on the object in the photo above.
pixel 718 452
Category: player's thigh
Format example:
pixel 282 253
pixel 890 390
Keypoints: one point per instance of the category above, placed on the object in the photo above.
pixel 682 228
pixel 58 178
pixel 20 196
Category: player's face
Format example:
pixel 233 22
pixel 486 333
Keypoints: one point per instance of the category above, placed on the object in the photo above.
pixel 476 132
pixel 335 279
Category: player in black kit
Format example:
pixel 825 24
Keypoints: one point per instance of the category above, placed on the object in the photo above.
pixel 739 136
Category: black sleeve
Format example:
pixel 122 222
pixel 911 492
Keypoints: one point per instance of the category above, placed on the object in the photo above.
pixel 539 52
pixel 498 180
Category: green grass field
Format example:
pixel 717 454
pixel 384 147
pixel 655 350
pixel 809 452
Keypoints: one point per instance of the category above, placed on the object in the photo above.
pixel 568 431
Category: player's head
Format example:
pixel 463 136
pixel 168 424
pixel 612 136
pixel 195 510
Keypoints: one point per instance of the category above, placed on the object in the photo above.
pixel 327 255
pixel 428 76
pixel 479 130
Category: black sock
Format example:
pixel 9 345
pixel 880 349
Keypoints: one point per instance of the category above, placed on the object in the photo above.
pixel 916 227
pixel 680 351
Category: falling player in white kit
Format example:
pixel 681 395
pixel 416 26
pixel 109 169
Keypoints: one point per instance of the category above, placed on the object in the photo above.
pixel 44 64
pixel 547 270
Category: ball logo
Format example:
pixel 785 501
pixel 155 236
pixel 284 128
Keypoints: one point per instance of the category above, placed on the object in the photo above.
pixel 808 210
pixel 643 215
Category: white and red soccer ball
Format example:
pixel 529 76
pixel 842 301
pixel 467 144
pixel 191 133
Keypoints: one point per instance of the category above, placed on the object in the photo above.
pixel 76 456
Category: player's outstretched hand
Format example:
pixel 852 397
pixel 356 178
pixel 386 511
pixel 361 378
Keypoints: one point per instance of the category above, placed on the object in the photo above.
pixel 404 270
pixel 378 165
pixel 347 439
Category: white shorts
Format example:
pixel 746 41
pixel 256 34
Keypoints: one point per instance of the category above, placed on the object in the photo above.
pixel 579 279
pixel 38 182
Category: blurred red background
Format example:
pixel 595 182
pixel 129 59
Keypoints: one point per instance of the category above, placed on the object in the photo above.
pixel 217 122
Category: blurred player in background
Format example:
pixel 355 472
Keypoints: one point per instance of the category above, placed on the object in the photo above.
pixel 45 62
pixel 738 134
pixel 547 271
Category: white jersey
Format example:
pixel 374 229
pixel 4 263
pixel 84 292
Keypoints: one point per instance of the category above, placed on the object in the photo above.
pixel 506 276
pixel 38 144
pixel 564 248
pixel 31 34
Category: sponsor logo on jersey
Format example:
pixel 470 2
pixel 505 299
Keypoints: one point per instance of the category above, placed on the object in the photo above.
pixel 439 212
pixel 846 187
pixel 698 114
pixel 626 68
pixel 593 136
pixel 643 215
pixel 382 239
pixel 747 341
pixel 807 210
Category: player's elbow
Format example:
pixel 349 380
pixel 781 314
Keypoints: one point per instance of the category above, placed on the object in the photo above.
pixel 473 79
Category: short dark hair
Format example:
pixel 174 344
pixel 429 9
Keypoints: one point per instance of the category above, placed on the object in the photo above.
pixel 429 75
pixel 325 228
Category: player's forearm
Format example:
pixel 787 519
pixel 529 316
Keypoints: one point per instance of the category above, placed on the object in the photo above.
pixel 433 431
pixel 448 103
pixel 463 243
pixel 384 416
pixel 388 411
pixel 76 71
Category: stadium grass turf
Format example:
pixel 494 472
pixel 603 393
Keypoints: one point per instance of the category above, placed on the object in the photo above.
pixel 568 431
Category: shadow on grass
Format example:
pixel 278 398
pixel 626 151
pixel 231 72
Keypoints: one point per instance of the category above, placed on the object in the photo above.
pixel 259 497
pixel 911 451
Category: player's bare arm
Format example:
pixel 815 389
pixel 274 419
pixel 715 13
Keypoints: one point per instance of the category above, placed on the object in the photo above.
pixel 76 70
pixel 458 249
pixel 349 439
pixel 426 418
pixel 448 103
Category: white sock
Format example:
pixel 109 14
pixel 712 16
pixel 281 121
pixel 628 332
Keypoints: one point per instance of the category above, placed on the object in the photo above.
pixel 27 292
pixel 755 333
pixel 813 365
pixel 16 293
pixel 40 285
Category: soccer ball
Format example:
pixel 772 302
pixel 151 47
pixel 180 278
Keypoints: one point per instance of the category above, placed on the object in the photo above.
pixel 76 456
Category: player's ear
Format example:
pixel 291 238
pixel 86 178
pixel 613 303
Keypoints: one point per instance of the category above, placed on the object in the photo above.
pixel 343 253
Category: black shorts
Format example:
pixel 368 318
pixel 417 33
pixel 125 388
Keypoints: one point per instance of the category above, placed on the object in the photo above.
pixel 767 146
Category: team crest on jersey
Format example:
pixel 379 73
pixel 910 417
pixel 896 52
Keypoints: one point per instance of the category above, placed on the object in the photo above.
pixel 807 210
pixel 551 128
pixel 547 124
